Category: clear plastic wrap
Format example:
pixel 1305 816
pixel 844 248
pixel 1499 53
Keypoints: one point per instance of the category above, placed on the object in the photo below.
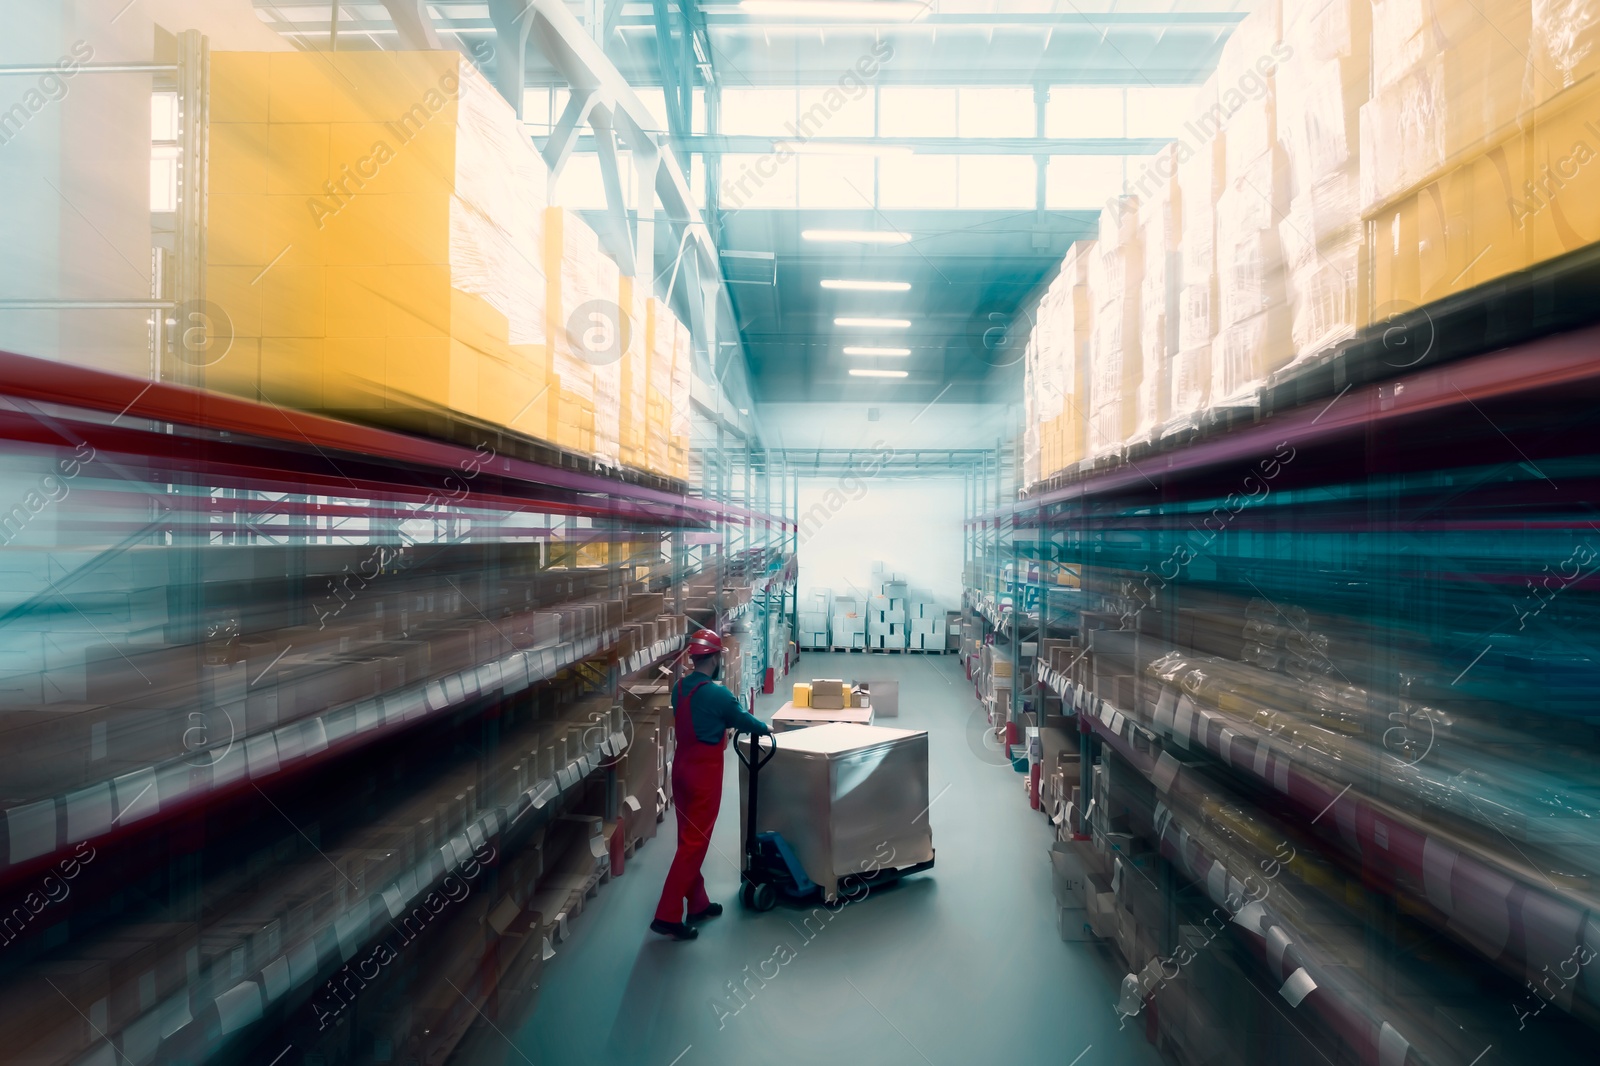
pixel 1327 29
pixel 1319 117
pixel 1253 273
pixel 1401 38
pixel 1244 353
pixel 1066 332
pixel 589 285
pixel 1197 313
pixel 1322 295
pixel 497 213
pixel 1157 307
pixel 1053 357
pixel 425 284
pixel 661 342
pixel 1191 381
pixel 1564 48
pixel 682 415
pixel 635 367
pixel 1402 136
pixel 1461 94
pixel 1115 354
pixel 1252 131
pixel 1253 48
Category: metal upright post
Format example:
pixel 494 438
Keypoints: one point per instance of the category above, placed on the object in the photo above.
pixel 792 514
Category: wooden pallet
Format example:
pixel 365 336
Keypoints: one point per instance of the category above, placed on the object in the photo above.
pixel 848 651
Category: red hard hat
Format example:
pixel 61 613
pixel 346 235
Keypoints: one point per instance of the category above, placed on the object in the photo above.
pixel 704 642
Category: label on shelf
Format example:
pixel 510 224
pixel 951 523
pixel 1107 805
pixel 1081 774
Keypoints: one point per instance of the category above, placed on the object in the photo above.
pixel 1392 1047
pixel 1277 944
pixel 1297 987
pixel 1166 770
pixel 1183 720
pixel 1249 917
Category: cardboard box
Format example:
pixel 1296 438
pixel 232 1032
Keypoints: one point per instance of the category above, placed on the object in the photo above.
pixel 802 694
pixel 828 694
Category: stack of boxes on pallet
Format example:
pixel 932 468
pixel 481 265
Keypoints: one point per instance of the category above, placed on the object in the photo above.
pixel 813 618
pixel 900 617
pixel 849 623
pixel 381 242
pixel 895 617
pixel 994 678
pixel 1348 162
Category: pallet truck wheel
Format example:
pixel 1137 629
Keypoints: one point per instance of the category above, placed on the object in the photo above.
pixel 758 897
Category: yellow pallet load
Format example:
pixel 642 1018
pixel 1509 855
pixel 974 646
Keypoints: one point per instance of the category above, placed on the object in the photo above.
pixel 1530 195
pixel 802 694
pixel 1253 313
pixel 1075 358
pixel 1445 147
pixel 1055 351
pixel 635 376
pixel 369 221
pixel 661 338
pixel 1559 209
pixel 584 287
pixel 1201 171
pixel 1321 89
pixel 1032 395
pixel 1159 223
pixel 681 414
pixel 1564 49
pixel 1115 275
pixel 1447 78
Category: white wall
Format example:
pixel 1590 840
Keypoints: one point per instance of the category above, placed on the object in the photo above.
pixel 912 525
pixel 949 423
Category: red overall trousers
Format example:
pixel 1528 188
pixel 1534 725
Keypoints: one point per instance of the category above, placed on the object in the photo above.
pixel 697 794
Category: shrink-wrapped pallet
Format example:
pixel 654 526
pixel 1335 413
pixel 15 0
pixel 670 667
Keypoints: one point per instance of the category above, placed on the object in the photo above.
pixel 681 412
pixel 633 439
pixel 584 288
pixel 1064 327
pixel 1116 273
pixel 1158 304
pixel 661 332
pixel 1201 175
pixel 1564 48
pixel 373 226
pixel 1447 80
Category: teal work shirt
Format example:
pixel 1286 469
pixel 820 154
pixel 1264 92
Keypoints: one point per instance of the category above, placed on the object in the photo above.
pixel 713 710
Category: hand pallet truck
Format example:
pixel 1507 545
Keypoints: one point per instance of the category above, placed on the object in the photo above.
pixel 771 866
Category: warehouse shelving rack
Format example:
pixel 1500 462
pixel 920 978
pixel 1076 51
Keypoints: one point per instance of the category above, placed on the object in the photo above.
pixel 1409 486
pixel 182 475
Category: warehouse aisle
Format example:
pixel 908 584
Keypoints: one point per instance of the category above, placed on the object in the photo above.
pixel 956 966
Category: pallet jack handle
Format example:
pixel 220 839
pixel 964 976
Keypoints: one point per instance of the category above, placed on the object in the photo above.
pixel 759 756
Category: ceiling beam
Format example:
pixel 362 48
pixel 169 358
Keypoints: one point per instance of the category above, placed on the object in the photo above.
pixel 705 144
pixel 414 24
pixel 511 26
pixel 725 18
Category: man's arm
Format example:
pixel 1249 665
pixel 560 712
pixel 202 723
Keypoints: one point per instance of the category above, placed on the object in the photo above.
pixel 733 716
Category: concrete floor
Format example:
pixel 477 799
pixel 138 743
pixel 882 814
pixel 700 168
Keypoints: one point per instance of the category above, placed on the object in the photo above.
pixel 955 966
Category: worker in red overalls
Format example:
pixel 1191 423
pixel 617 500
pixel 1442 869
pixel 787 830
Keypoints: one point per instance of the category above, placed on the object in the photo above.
pixel 703 712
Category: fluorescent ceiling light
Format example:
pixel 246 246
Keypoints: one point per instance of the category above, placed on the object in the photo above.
pixel 857 350
pixel 870 10
pixel 874 323
pixel 866 286
pixel 855 236
pixel 878 373
pixel 844 148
